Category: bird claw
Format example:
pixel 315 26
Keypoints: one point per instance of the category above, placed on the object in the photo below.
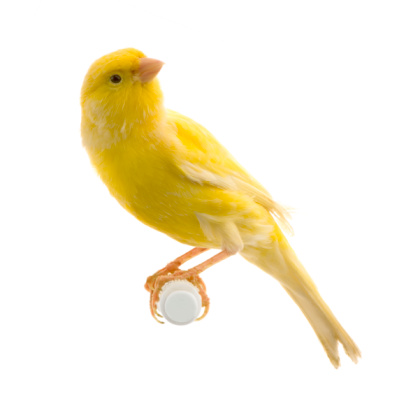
pixel 206 309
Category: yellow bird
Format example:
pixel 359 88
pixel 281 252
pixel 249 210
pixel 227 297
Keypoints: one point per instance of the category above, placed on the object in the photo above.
pixel 173 175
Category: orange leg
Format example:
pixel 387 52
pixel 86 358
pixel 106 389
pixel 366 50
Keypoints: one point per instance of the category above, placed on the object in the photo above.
pixel 173 266
pixel 155 283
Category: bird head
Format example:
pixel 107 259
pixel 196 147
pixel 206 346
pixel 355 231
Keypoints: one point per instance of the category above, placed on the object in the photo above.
pixel 122 87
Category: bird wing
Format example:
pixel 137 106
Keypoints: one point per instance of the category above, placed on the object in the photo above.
pixel 207 162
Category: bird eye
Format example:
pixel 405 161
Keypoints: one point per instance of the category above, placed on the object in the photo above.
pixel 115 79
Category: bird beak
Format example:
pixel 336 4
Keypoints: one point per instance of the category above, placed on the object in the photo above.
pixel 147 70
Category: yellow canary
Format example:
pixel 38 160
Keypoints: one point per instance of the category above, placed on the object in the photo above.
pixel 173 175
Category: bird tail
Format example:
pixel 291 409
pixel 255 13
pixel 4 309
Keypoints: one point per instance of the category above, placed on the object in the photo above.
pixel 281 262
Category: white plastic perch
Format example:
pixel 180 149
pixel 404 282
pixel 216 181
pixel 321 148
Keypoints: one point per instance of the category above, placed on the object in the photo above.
pixel 180 302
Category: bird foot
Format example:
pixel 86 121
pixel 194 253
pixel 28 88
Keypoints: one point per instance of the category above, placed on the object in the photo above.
pixel 155 283
pixel 167 270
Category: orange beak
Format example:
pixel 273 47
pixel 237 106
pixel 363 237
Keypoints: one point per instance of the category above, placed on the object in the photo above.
pixel 147 70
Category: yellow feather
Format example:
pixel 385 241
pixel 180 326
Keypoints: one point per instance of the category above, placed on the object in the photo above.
pixel 173 175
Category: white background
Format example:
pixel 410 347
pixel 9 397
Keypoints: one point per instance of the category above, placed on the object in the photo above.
pixel 315 99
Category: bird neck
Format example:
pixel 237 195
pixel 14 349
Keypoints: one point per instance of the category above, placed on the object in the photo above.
pixel 145 106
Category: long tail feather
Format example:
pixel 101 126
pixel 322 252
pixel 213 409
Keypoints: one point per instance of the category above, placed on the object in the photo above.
pixel 281 262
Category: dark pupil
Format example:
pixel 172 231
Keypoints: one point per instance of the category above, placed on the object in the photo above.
pixel 115 79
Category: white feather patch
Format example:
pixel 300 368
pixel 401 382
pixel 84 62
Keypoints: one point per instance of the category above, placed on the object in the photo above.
pixel 222 231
